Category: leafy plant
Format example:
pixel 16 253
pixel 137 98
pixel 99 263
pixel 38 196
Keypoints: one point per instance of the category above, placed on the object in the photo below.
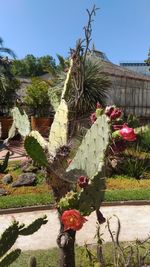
pixel 135 166
pixel 144 137
pixel 37 97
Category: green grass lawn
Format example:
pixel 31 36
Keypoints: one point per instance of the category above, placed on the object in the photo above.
pixel 50 258
pixel 26 200
pixel 118 189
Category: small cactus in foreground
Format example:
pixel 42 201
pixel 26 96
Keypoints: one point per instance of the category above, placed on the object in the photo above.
pixel 32 262
pixel 10 236
pixel 4 165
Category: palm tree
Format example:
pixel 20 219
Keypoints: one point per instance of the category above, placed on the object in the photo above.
pixel 4 64
pixel 6 50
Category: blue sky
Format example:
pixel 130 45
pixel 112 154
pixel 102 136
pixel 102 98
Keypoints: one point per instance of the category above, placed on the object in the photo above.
pixel 121 28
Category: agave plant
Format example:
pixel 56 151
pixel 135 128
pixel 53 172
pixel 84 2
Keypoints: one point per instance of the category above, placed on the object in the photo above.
pixel 95 88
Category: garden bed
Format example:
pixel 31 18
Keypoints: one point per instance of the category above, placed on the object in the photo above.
pixel 119 188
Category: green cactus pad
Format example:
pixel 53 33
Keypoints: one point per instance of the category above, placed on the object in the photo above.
pixel 35 151
pixel 39 138
pixel 92 196
pixel 12 131
pixel 59 130
pixel 10 258
pixel 90 156
pixel 21 121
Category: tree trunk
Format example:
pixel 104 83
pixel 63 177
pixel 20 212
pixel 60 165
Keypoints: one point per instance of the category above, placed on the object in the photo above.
pixel 66 243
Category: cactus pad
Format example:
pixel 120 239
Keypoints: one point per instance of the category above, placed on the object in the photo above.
pixel 59 129
pixel 35 151
pixel 39 138
pixel 21 121
pixel 90 156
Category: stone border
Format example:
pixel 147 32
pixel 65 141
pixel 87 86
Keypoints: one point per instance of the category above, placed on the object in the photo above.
pixel 53 207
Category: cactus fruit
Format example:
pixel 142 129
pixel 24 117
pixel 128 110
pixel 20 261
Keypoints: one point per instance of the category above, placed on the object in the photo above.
pixel 91 153
pixel 4 165
pixel 39 138
pixel 35 151
pixel 21 121
pixel 59 129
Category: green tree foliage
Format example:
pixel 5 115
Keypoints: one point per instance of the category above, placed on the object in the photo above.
pixel 37 97
pixel 8 83
pixel 32 66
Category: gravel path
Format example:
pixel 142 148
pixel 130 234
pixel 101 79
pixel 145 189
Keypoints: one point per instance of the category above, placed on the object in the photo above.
pixel 135 223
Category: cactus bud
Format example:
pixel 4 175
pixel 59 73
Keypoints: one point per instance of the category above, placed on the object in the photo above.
pixel 82 181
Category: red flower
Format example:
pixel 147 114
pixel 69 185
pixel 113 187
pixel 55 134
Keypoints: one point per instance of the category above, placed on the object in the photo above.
pixel 93 117
pixel 109 110
pixel 82 181
pixel 72 219
pixel 115 114
pixel 128 133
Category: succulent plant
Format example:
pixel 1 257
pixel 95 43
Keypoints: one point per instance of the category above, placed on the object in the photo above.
pixel 21 121
pixel 11 234
pixel 35 151
pixel 58 136
pixel 3 166
pixel 39 138
pixel 90 157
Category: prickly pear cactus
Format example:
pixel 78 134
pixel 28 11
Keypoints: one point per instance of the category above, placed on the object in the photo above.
pixel 90 156
pixel 39 138
pixel 21 121
pixel 12 131
pixel 35 151
pixel 59 130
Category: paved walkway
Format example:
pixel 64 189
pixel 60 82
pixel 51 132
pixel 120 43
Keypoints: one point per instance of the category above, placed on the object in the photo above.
pixel 16 149
pixel 135 223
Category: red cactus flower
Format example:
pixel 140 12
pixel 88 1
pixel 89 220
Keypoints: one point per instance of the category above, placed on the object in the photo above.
pixel 93 117
pixel 82 181
pixel 109 110
pixel 128 133
pixel 72 219
pixel 115 114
